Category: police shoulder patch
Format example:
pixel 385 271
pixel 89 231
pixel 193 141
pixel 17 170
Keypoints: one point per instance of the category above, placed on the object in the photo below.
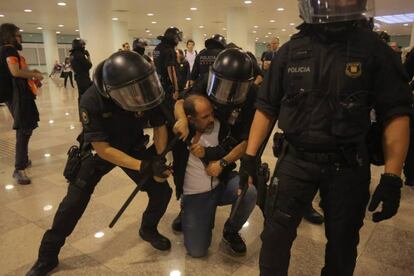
pixel 353 69
pixel 84 116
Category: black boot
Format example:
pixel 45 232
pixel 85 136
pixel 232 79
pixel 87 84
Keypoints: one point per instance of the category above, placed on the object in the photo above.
pixel 42 268
pixel 235 242
pixel 177 225
pixel 157 240
pixel 313 216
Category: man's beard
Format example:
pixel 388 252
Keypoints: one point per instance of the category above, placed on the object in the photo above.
pixel 207 130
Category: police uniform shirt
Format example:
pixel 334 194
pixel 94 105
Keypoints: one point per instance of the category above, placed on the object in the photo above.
pixel 321 91
pixel 164 56
pixel 104 121
pixel 204 60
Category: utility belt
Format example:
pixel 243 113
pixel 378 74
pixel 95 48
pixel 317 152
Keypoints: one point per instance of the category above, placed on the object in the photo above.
pixel 345 155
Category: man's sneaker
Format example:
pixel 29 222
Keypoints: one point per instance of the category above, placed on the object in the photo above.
pixel 21 177
pixel 42 268
pixel 157 240
pixel 313 216
pixel 235 242
pixel 177 225
pixel 29 163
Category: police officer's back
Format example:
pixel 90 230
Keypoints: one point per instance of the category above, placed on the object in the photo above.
pixel 81 64
pixel 205 59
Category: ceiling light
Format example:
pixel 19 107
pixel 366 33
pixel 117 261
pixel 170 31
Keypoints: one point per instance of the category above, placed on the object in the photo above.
pixel 272 21
pixel 9 187
pixel 201 27
pixel 150 14
pixel 72 127
pixel 154 22
pixel 248 2
pixel 254 32
pixel 224 29
pixel 76 30
pixel 256 27
pixel 21 30
pixel 280 9
pixel 27 10
pixel 188 18
pixel 99 235
pixel 193 8
pixel 266 36
pixel 283 30
pixel 47 155
pixel 60 26
pixel 150 34
pixel 1 15
pixel 51 121
pixel 204 34
pixel 406 24
pixel 39 28
pixel 114 18
pixel 62 4
pixel 67 114
pixel 58 32
pixel 292 24
pixel 147 31
pixel 396 18
pixel 269 33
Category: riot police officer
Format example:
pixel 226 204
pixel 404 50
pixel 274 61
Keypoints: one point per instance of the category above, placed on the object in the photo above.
pixel 165 60
pixel 81 64
pixel 231 89
pixel 321 87
pixel 125 95
pixel 139 45
pixel 205 59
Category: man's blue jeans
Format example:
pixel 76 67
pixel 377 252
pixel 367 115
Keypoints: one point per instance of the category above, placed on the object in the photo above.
pixel 199 211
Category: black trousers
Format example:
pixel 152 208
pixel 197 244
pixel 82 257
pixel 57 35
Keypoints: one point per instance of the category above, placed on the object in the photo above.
pixel 344 194
pixel 409 162
pixel 77 198
pixel 70 76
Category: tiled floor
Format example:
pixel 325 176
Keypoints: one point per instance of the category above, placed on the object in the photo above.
pixel 27 211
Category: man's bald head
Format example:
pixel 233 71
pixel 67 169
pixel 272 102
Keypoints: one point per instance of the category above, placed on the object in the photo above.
pixel 199 112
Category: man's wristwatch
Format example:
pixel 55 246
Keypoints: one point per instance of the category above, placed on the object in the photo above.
pixel 223 163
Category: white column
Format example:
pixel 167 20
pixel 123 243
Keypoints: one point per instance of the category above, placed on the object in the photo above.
pixel 251 43
pixel 237 28
pixel 120 32
pixel 51 49
pixel 412 35
pixel 198 39
pixel 95 27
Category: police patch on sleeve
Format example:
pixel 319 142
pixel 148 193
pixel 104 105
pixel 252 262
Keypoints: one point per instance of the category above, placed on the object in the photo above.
pixel 353 69
pixel 85 116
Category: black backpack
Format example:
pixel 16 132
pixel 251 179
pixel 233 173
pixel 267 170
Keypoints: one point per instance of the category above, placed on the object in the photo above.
pixel 6 92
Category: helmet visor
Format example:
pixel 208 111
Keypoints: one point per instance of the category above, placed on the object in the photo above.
pixel 138 95
pixel 227 92
pixel 330 11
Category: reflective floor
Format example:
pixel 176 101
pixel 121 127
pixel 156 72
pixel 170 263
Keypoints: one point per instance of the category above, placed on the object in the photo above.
pixel 94 249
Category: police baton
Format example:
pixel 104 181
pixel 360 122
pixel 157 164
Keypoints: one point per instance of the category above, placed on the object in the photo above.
pixel 144 178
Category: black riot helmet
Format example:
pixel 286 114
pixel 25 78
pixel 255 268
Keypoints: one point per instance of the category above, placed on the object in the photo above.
pixel 217 41
pixel 384 37
pixel 173 35
pixel 78 44
pixel 138 45
pixel 130 81
pixel 230 77
pixel 331 11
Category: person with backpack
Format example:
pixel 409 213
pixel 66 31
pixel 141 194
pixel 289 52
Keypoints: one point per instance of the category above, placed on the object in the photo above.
pixel 18 90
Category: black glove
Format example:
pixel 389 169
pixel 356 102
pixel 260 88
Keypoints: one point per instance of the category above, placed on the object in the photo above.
pixel 155 166
pixel 389 192
pixel 248 167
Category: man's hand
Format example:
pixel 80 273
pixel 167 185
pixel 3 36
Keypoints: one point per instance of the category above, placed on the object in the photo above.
pixel 388 192
pixel 197 150
pixel 214 169
pixel 181 127
pixel 37 75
